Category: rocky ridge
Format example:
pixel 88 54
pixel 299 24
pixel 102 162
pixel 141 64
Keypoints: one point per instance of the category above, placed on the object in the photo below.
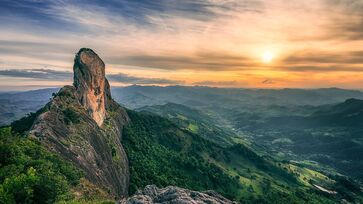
pixel 175 195
pixel 83 124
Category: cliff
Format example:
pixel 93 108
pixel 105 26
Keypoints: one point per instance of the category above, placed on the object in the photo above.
pixel 91 84
pixel 83 124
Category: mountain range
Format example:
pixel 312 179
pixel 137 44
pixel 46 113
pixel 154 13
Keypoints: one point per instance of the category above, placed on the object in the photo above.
pixel 177 144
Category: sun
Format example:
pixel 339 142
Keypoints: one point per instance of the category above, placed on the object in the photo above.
pixel 267 57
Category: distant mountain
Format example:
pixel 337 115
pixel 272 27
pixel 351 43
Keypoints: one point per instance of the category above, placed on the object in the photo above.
pixel 330 135
pixel 222 100
pixel 346 114
pixel 233 98
pixel 15 105
pixel 82 146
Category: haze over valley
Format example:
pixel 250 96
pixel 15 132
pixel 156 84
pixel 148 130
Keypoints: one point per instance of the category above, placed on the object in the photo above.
pixel 170 102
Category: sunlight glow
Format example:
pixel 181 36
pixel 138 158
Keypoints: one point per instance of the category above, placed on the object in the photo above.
pixel 267 57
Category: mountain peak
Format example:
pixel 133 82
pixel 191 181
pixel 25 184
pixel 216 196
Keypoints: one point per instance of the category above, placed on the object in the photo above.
pixel 91 83
pixel 71 125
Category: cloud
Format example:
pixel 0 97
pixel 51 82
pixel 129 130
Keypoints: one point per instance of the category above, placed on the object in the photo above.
pixel 216 83
pixel 346 19
pixel 321 69
pixel 268 81
pixel 323 57
pixel 84 15
pixel 41 51
pixel 323 61
pixel 49 74
pixel 349 28
pixel 198 61
pixel 127 79
pixel 132 28
pixel 139 12
pixel 44 74
pixel 191 38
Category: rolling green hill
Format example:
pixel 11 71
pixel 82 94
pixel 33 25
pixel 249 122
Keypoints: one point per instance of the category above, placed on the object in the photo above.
pixel 162 153
pixel 193 120
pixel 331 135
pixel 205 148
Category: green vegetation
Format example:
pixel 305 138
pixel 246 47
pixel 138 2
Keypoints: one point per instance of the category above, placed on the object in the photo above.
pixel 192 120
pixel 31 174
pixel 324 138
pixel 71 116
pixel 192 150
pixel 24 124
pixel 163 154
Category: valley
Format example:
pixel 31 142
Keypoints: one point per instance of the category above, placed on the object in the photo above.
pixel 293 145
pixel 181 102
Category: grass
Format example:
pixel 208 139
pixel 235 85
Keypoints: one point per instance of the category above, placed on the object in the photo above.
pixel 193 128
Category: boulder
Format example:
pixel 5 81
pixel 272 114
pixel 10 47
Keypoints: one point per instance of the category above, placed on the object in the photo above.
pixel 175 195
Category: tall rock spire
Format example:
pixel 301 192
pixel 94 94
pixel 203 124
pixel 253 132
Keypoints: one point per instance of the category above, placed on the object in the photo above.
pixel 91 83
pixel 71 126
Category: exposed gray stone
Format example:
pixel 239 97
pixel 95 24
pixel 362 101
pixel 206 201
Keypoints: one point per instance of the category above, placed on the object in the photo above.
pixel 175 195
pixel 84 125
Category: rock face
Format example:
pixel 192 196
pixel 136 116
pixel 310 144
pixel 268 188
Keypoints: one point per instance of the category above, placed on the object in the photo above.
pixel 175 195
pixel 91 83
pixel 83 124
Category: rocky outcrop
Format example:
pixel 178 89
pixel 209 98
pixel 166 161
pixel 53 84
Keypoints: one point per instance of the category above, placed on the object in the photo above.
pixel 91 83
pixel 83 124
pixel 175 195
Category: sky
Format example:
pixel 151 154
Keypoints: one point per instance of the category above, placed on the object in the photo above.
pixel 220 43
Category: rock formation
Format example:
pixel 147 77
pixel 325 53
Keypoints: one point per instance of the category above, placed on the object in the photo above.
pixel 83 124
pixel 175 195
pixel 91 84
